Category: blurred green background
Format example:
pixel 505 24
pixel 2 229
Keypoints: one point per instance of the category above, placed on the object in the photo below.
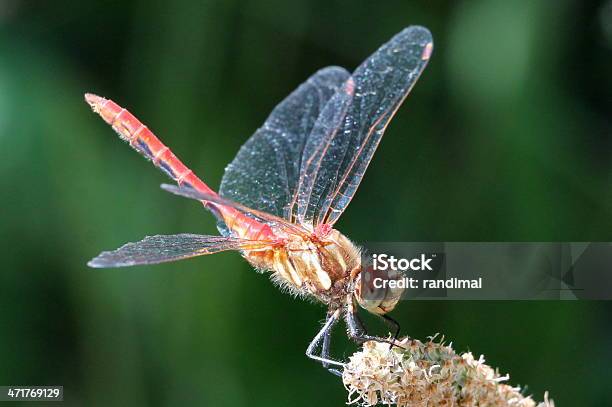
pixel 505 137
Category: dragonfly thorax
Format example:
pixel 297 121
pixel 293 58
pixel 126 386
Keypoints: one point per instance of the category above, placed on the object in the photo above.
pixel 308 266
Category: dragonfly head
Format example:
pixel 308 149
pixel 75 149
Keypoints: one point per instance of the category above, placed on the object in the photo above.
pixel 371 296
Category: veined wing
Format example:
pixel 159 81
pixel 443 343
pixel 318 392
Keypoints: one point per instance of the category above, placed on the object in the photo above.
pixel 275 222
pixel 264 175
pixel 381 84
pixel 164 248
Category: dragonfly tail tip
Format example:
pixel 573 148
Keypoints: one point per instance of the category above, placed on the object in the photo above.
pixel 93 100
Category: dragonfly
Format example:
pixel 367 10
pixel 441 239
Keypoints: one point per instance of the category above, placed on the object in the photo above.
pixel 289 184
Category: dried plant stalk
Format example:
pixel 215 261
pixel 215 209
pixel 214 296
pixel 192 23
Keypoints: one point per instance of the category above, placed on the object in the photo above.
pixel 427 374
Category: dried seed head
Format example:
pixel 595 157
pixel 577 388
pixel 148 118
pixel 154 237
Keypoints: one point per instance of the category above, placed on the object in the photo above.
pixel 426 374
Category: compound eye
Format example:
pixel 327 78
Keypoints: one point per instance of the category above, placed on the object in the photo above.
pixel 368 297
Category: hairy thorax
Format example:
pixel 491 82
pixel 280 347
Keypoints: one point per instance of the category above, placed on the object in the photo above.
pixel 323 268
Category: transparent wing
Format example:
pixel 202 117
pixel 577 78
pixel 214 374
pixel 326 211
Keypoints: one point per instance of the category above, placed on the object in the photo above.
pixel 381 83
pixel 275 222
pixel 164 248
pixel 323 152
pixel 264 175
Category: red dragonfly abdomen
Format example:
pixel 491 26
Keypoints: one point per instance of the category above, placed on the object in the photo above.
pixel 143 140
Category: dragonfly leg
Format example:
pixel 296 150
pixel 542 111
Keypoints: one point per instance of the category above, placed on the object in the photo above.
pixel 396 326
pixel 323 335
pixel 325 348
pixel 358 333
